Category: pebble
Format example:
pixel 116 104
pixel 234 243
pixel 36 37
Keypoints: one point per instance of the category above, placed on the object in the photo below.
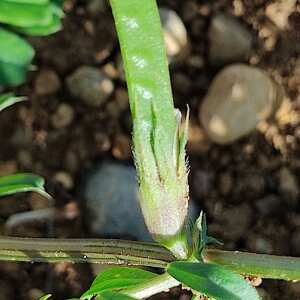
pixel 65 179
pixel 238 99
pixel 90 85
pixel 174 31
pixel 229 41
pixel 121 148
pixel 237 221
pixel 259 244
pixel 268 206
pixel 279 11
pixel 95 7
pixel 288 186
pixel 47 82
pixel 110 194
pixel 63 116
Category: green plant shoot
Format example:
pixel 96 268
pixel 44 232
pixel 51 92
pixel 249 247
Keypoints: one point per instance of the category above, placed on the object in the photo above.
pixel 159 142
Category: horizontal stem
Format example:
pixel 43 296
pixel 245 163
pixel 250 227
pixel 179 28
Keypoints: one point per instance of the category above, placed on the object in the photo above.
pixel 261 265
pixel 119 252
pixel 101 251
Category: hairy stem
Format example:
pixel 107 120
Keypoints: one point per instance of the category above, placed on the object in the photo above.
pixel 121 252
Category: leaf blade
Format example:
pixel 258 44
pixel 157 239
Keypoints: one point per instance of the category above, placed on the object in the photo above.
pixel 15 58
pixel 9 99
pixel 212 281
pixel 24 182
pixel 117 278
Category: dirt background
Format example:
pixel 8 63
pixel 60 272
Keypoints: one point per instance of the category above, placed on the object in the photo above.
pixel 249 189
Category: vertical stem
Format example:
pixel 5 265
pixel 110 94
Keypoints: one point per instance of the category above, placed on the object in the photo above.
pixel 156 135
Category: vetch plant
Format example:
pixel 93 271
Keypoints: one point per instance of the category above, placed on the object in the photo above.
pixel 159 139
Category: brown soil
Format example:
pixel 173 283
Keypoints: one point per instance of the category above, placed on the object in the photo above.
pixel 249 189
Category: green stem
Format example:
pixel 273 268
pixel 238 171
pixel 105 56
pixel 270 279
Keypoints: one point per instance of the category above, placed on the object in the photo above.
pixel 121 252
pixel 102 251
pixel 261 265
pixel 157 285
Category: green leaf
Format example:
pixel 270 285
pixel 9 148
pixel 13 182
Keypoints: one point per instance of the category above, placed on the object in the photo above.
pixel 212 281
pixel 25 13
pixel 9 99
pixel 200 238
pixel 108 295
pixel 45 297
pixel 44 29
pixel 117 278
pixel 15 58
pixel 20 183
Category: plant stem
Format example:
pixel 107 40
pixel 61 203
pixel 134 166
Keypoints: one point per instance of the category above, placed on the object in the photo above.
pixel 157 285
pixel 121 252
pixel 261 265
pixel 102 251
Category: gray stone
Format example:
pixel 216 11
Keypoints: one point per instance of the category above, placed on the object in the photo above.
pixel 110 192
pixel 111 200
pixel 238 99
pixel 175 33
pixel 268 205
pixel 63 116
pixel 90 85
pixel 229 40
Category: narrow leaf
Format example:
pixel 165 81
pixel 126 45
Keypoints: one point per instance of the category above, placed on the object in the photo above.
pixel 213 281
pixel 20 183
pixel 108 295
pixel 15 58
pixel 117 278
pixel 9 99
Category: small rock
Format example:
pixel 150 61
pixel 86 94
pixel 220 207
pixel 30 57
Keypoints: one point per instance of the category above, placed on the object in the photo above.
pixel 90 85
pixel 65 179
pixel 236 221
pixel 111 200
pixel 37 201
pixel 25 159
pixel 94 7
pixel 279 11
pixel 47 82
pixel 268 206
pixel 174 31
pixel 229 40
pixel 71 162
pixel 238 99
pixel 63 116
pixel 259 244
pixel 102 142
pixel 288 186
pixel 226 183
pixel 121 148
